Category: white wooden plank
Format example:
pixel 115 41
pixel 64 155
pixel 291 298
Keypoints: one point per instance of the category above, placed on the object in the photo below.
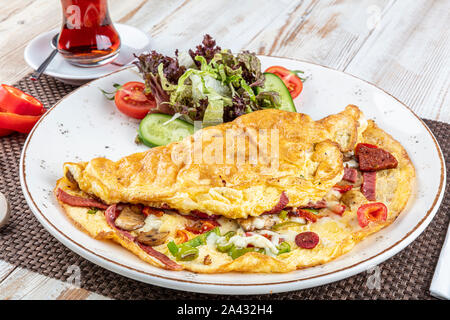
pixel 10 8
pixel 24 284
pixel 408 56
pixel 233 23
pixel 326 32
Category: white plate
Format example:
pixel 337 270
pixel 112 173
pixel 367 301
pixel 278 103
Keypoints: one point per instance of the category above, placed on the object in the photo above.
pixel 85 125
pixel 132 41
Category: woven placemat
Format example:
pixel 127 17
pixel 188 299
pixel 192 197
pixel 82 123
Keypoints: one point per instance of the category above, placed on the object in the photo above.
pixel 25 243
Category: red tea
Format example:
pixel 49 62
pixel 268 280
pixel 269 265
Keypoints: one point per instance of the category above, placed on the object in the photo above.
pixel 87 37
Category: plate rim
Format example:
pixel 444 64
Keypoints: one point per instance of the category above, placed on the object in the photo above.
pixel 250 288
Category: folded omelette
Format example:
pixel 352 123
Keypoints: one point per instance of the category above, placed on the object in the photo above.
pixel 272 191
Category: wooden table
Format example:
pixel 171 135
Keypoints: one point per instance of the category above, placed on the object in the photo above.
pixel 402 46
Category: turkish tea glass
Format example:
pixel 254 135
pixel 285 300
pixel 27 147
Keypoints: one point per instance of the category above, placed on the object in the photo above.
pixel 88 37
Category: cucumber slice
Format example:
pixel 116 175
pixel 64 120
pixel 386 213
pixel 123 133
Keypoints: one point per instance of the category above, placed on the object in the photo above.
pixel 155 130
pixel 274 83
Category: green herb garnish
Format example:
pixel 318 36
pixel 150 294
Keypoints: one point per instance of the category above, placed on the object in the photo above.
pixel 92 211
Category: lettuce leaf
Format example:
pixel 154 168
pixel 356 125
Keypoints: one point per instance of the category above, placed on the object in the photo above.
pixel 208 83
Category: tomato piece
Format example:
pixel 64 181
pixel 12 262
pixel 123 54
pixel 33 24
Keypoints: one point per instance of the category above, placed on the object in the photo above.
pixel 13 100
pixel 182 235
pixel 343 189
pixel 131 100
pixel 17 122
pixel 308 215
pixel 290 79
pixel 268 236
pixel 148 211
pixel 371 212
pixel 307 240
pixel 202 227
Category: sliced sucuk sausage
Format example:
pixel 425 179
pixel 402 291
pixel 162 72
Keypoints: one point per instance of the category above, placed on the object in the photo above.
pixel 282 203
pixel 76 201
pixel 307 240
pixel 111 215
pixel 168 263
pixel 198 215
pixel 316 205
pixel 350 174
pixel 374 159
pixel 368 187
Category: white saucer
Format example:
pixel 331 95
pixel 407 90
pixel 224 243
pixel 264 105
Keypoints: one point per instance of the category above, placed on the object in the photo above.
pixel 133 41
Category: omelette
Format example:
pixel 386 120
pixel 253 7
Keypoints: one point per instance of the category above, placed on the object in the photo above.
pixel 271 191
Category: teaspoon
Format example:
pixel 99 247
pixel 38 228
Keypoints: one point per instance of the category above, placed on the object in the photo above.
pixel 35 75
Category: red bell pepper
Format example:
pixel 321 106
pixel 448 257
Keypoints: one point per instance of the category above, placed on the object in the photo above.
pixel 17 122
pixel 5 132
pixel 13 100
pixel 18 111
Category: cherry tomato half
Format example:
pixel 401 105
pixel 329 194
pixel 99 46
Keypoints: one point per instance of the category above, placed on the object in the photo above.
pixel 290 79
pixel 148 211
pixel 131 100
pixel 182 236
pixel 371 212
pixel 13 100
pixel 343 189
pixel 201 227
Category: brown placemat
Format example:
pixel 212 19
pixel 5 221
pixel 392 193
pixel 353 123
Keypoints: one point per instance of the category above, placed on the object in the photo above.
pixel 25 243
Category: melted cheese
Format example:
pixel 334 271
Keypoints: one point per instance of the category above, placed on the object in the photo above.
pixel 255 240
pixel 152 222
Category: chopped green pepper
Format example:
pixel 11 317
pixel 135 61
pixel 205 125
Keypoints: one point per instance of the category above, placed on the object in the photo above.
pixel 229 234
pixel 187 253
pixel 284 247
pixel 283 215
pixel 237 252
pixel 197 241
pixel 224 245
pixel 287 224
pixel 188 248
pixel 173 248
pixel 92 211
pixel 201 239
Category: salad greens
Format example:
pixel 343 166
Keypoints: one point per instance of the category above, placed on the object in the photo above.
pixel 209 84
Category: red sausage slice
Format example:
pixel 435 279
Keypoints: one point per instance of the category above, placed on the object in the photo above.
pixel 316 205
pixel 350 175
pixel 284 200
pixel 111 215
pixel 368 187
pixel 307 240
pixel 78 201
pixel 374 159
